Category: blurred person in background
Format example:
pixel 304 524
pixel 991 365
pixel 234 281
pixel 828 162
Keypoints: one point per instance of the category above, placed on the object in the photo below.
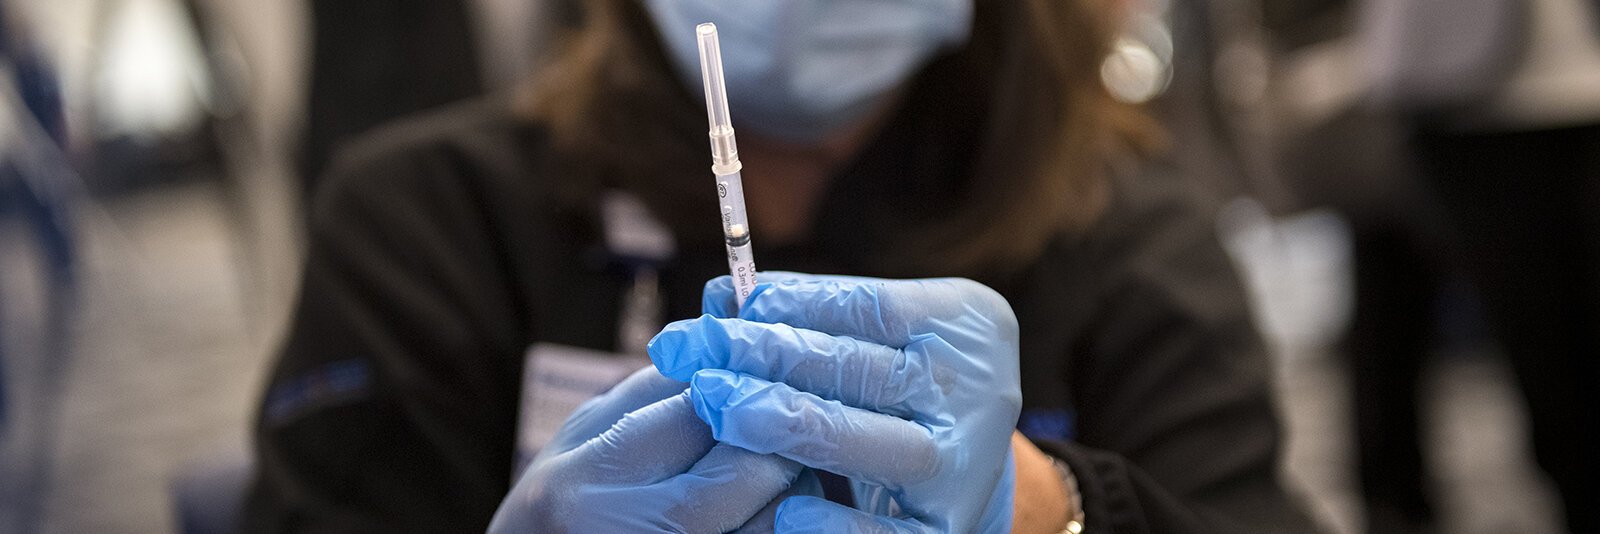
pixel 1499 101
pixel 1354 159
pixel 41 126
pixel 909 140
pixel 36 137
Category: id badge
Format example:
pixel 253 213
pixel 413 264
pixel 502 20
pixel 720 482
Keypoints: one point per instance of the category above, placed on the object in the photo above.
pixel 555 381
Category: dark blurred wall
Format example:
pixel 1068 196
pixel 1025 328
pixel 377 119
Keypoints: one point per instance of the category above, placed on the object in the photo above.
pixel 376 60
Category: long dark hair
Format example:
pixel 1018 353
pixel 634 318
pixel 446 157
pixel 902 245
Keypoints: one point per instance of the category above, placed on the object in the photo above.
pixel 613 105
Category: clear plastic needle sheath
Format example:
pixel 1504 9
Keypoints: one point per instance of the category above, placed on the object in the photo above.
pixel 725 165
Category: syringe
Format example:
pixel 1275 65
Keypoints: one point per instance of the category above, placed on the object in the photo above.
pixel 725 165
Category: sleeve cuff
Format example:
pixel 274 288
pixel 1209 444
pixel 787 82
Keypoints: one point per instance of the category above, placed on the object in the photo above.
pixel 1109 501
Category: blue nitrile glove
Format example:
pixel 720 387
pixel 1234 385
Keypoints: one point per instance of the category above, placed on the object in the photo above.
pixel 637 459
pixel 908 387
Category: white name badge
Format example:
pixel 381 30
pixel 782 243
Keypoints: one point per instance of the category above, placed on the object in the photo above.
pixel 555 381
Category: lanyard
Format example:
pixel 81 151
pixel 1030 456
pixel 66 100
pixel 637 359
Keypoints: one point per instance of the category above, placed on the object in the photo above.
pixel 641 245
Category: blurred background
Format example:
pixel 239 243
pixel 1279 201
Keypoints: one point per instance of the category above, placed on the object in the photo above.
pixel 154 158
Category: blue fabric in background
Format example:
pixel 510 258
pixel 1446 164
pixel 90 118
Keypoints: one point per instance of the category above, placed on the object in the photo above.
pixel 40 91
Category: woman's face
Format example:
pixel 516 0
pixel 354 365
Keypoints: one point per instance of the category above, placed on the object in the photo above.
pixel 802 70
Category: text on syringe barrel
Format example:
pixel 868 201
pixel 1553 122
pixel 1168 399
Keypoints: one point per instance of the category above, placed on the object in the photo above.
pixel 736 234
pixel 742 267
pixel 730 198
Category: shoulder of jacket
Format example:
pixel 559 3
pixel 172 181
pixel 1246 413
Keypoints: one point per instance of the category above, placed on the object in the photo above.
pixel 479 139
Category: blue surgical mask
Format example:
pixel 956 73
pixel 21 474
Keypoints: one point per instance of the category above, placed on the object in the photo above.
pixel 799 70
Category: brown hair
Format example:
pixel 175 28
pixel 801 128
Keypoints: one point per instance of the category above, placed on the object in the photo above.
pixel 1049 130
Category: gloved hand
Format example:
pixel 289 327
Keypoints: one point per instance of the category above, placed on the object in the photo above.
pixel 909 388
pixel 637 459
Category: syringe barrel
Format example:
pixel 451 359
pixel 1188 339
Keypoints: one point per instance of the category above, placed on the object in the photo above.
pixel 736 234
pixel 724 151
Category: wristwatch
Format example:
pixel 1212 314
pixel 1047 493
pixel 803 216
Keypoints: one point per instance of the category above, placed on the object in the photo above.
pixel 1074 497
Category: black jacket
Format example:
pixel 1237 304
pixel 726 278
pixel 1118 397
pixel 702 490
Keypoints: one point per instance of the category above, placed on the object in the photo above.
pixel 438 255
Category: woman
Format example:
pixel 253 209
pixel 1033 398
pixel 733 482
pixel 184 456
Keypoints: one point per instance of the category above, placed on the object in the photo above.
pixel 893 139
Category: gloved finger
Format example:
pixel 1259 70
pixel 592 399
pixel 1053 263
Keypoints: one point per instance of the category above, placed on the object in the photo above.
pixel 774 418
pixel 646 445
pixel 854 372
pixel 598 414
pixel 804 515
pixel 719 300
pixel 804 484
pixel 888 312
pixel 735 482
